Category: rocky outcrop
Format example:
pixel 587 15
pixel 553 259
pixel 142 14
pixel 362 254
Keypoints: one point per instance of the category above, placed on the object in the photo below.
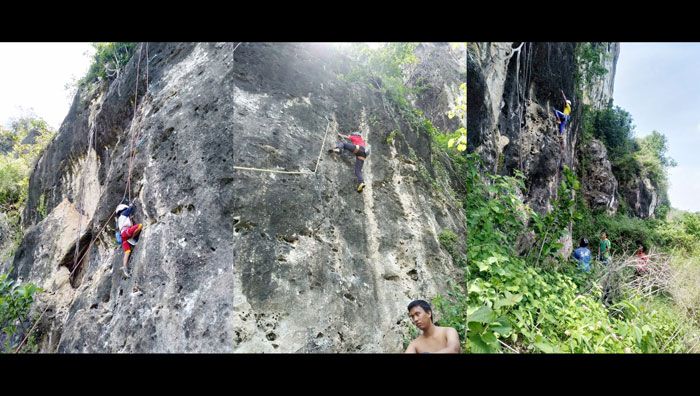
pixel 319 267
pixel 599 92
pixel 513 89
pixel 641 196
pixel 179 298
pixel 598 184
pixel 436 75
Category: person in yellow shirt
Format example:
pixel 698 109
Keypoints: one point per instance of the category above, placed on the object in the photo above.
pixel 563 117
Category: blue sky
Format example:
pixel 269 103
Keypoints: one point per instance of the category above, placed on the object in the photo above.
pixel 659 85
pixel 33 78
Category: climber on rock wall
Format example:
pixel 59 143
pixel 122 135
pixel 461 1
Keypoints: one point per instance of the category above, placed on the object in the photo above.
pixel 357 147
pixel 563 117
pixel 129 232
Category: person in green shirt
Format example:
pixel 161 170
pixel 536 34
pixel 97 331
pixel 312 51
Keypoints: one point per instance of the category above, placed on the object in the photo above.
pixel 604 248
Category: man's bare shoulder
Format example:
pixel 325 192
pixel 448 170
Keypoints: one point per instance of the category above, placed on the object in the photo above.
pixel 445 329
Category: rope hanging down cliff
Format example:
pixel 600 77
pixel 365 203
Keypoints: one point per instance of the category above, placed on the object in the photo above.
pixel 134 135
pixel 78 262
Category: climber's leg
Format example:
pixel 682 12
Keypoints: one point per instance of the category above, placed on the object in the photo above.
pixel 560 116
pixel 125 269
pixel 562 124
pixel 359 161
pixel 131 232
pixel 349 146
pixel 336 149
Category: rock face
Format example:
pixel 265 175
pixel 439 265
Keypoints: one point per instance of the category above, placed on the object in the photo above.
pixel 179 297
pixel 642 196
pixel 598 184
pixel 599 92
pixel 437 72
pixel 231 260
pixel 513 89
pixel 319 267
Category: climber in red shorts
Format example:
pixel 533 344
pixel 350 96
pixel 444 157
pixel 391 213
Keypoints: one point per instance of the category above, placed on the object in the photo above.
pixel 128 231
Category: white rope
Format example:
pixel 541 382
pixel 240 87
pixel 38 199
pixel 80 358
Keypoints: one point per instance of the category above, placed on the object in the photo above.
pixel 322 146
pixel 305 172
pixel 274 171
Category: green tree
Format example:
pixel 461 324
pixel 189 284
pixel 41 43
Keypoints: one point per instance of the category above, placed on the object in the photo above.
pixel 653 158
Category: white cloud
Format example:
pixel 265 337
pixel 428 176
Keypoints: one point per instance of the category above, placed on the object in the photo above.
pixel 33 77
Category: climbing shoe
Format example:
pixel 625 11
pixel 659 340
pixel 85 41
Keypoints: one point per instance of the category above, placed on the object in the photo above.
pixel 334 150
pixel 126 273
pixel 361 187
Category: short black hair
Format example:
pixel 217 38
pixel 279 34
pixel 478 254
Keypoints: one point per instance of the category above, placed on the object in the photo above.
pixel 584 242
pixel 423 304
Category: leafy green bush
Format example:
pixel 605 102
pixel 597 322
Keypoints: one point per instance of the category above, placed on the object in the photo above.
pixel 551 228
pixel 513 305
pixel 448 239
pixel 108 60
pixel 392 135
pixel 624 232
pixel 13 181
pixel 681 233
pixel 15 302
pixel 653 159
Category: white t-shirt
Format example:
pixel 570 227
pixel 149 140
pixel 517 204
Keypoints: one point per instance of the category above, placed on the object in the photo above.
pixel 124 221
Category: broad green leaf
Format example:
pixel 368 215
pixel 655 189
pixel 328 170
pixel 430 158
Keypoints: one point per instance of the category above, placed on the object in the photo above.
pixel 477 345
pixel 510 300
pixel 482 315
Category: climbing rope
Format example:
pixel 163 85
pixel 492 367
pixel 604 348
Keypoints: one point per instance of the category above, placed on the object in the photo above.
pixel 323 144
pixel 68 278
pixel 92 140
pixel 147 60
pixel 304 172
pixel 133 119
pixel 137 135
pixel 273 171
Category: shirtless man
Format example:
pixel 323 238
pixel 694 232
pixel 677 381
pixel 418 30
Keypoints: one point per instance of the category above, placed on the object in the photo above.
pixel 434 339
